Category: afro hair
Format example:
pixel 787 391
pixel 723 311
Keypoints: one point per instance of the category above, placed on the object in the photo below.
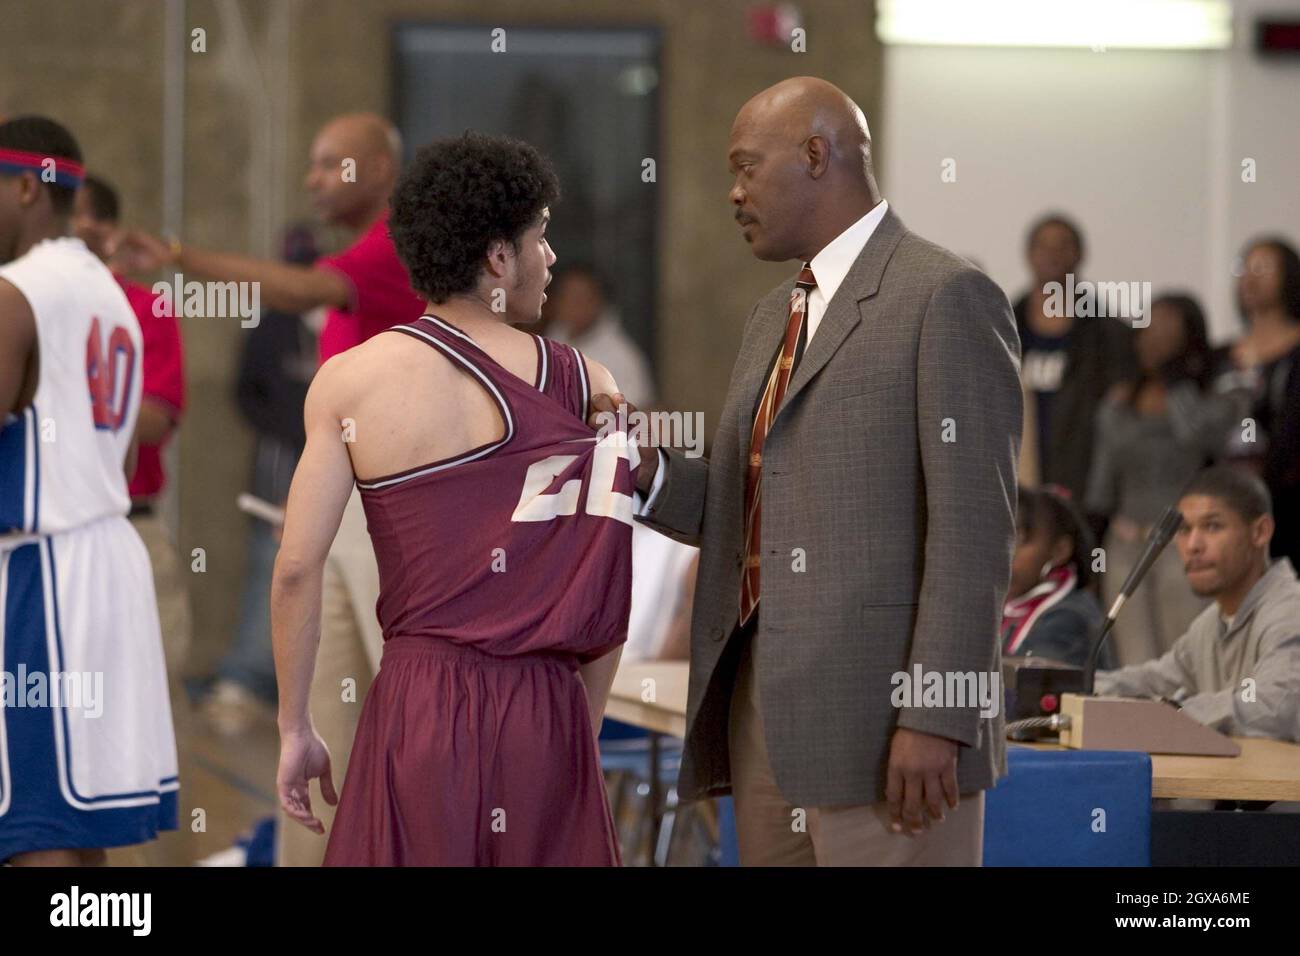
pixel 460 195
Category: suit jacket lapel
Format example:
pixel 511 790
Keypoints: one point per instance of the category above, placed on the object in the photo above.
pixel 764 339
pixel 842 312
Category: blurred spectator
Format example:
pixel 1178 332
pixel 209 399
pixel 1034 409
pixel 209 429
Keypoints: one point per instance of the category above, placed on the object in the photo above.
pixel 95 218
pixel 1050 611
pixel 579 313
pixel 1266 368
pixel 1152 436
pixel 1067 364
pixel 663 595
pixel 275 369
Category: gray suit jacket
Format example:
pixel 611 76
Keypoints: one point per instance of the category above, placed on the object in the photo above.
pixel 891 469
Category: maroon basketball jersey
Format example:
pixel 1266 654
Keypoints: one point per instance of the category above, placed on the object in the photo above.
pixel 519 546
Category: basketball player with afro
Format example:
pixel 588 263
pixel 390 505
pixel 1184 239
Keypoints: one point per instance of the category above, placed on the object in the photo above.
pixel 502 527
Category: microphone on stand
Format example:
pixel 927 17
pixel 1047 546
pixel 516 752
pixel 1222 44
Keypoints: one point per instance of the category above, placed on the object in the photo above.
pixel 1160 536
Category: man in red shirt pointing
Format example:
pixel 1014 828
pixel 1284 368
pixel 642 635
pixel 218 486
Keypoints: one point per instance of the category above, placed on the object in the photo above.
pixel 354 163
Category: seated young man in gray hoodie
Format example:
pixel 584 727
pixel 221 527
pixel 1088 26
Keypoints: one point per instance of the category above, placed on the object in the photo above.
pixel 1237 668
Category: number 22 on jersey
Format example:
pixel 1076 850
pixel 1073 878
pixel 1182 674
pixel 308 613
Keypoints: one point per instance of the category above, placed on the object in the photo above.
pixel 602 500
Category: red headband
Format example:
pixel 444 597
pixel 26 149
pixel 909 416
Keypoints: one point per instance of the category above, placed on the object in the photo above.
pixel 67 172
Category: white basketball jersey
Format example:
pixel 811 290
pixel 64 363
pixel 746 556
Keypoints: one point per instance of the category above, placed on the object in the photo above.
pixel 61 458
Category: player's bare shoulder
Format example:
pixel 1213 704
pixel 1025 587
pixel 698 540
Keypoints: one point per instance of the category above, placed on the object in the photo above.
pixel 602 382
pixel 18 349
pixel 389 360
pixel 344 377
pixel 15 308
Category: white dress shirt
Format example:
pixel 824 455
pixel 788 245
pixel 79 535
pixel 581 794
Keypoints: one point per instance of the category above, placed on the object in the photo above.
pixel 832 264
pixel 829 267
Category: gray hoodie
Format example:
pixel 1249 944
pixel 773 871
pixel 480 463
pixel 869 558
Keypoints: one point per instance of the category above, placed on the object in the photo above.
pixel 1209 668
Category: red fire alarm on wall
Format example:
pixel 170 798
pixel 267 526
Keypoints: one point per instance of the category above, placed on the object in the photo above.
pixel 1278 37
pixel 773 24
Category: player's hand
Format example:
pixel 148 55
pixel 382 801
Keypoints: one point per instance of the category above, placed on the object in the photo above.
pixel 921 778
pixel 303 757
pixel 135 251
pixel 602 405
pixel 602 411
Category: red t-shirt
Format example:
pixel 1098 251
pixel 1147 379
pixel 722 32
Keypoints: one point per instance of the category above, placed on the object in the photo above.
pixel 381 291
pixel 164 379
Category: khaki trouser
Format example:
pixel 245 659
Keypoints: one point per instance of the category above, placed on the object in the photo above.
pixel 170 581
pixel 350 647
pixel 771 832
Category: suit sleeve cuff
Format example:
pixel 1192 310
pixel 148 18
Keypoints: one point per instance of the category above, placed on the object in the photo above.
pixel 644 505
pixel 959 727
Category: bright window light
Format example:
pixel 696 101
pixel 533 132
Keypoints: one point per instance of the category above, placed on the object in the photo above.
pixel 1095 24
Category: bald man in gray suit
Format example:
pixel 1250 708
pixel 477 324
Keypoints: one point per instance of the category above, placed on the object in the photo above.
pixel 856 517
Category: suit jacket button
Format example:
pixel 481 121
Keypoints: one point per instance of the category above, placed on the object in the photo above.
pixel 716 633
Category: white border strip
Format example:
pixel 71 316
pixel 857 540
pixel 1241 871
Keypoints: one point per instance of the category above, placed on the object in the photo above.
pixel 544 367
pixel 586 385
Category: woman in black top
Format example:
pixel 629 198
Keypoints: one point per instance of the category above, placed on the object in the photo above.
pixel 1067 363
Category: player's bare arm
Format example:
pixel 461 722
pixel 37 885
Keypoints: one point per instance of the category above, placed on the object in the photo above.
pixel 321 485
pixel 602 382
pixel 17 349
pixel 290 288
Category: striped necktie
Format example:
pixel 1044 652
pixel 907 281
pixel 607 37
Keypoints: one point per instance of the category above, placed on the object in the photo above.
pixel 773 392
